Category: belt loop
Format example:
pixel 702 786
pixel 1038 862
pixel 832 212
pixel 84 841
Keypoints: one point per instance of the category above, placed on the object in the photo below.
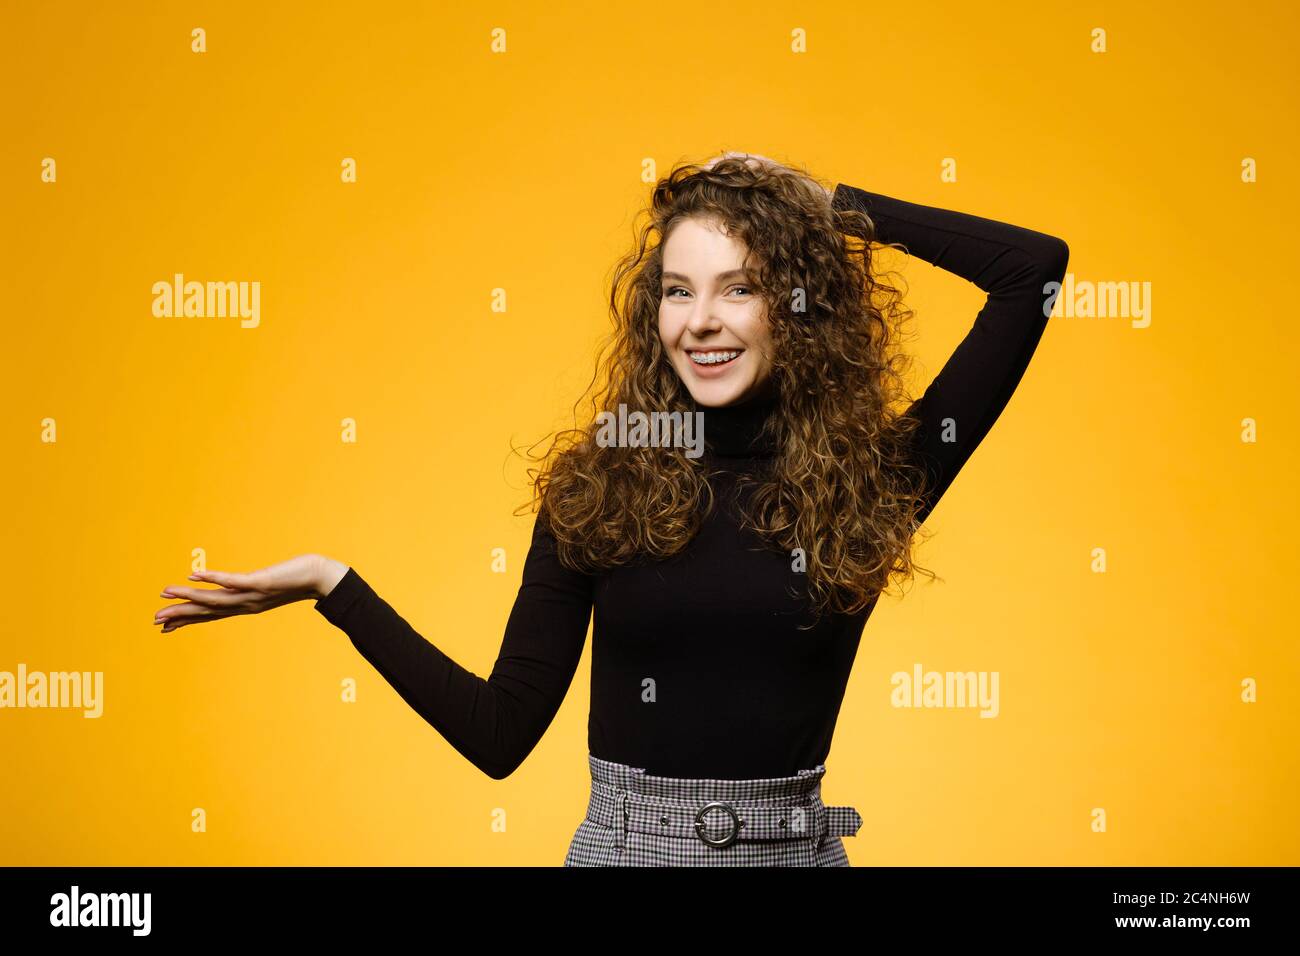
pixel 620 818
pixel 821 821
pixel 816 807
pixel 632 782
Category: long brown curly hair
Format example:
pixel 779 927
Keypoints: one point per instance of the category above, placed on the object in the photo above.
pixel 843 487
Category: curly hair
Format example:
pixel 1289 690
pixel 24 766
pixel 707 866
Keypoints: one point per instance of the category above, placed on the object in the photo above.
pixel 843 486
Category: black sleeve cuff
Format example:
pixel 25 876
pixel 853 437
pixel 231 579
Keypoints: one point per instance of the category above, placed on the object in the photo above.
pixel 348 591
pixel 870 204
pixel 842 197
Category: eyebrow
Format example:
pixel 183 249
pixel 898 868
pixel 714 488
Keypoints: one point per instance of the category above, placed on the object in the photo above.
pixel 721 276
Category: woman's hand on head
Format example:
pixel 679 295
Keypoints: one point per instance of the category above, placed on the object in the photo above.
pixel 755 161
pixel 752 160
pixel 306 577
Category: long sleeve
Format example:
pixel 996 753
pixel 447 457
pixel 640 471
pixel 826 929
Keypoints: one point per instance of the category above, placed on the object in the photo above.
pixel 494 723
pixel 1015 266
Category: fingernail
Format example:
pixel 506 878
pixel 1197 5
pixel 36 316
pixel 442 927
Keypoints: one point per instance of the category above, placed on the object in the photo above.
pixel 194 577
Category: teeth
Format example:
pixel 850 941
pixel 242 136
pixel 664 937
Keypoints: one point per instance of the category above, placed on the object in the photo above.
pixel 711 358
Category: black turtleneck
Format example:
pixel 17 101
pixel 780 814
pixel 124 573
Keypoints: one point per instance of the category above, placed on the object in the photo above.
pixel 698 666
pixel 736 431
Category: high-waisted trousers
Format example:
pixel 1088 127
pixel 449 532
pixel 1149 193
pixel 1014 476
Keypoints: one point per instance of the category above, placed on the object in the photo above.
pixel 639 819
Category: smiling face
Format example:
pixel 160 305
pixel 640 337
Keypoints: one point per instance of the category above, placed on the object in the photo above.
pixel 712 321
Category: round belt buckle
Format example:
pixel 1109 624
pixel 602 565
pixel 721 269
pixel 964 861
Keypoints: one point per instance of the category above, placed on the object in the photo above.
pixel 727 840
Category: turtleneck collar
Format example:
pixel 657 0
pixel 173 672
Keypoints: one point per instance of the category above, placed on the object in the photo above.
pixel 735 431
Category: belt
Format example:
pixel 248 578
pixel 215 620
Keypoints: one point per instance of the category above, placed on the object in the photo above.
pixel 719 822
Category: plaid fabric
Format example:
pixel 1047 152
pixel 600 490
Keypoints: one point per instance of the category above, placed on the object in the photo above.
pixel 637 819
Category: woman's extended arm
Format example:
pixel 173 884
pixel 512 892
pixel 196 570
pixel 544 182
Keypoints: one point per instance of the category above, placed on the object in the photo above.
pixel 1016 267
pixel 494 723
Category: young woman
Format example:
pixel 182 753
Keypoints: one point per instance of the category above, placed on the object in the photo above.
pixel 730 587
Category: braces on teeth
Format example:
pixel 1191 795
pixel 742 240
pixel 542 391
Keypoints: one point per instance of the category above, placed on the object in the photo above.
pixel 712 358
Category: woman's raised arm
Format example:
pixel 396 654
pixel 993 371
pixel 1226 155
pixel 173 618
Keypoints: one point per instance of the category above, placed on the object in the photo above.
pixel 1021 271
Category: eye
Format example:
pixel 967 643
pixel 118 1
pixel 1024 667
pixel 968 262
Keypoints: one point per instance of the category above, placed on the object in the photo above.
pixel 745 287
pixel 668 294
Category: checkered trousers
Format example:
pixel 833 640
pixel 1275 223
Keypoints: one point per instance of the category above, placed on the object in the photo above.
pixel 638 819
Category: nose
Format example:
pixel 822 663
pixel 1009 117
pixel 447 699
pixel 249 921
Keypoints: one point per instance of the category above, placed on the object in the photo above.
pixel 703 319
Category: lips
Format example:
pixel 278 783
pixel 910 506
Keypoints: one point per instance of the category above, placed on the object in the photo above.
pixel 707 372
pixel 715 363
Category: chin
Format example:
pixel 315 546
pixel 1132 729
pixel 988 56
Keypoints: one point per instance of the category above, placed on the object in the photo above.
pixel 716 395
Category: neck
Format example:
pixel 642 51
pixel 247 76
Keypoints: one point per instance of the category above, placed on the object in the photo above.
pixel 736 431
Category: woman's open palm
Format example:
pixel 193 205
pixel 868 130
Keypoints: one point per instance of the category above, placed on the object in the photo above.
pixel 294 580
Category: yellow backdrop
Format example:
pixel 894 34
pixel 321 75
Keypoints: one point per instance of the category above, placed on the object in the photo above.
pixel 1156 696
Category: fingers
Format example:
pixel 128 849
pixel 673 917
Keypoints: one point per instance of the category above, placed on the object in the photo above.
pixel 728 155
pixel 204 596
pixel 177 616
pixel 753 160
pixel 227 579
pixel 170 625
pixel 206 604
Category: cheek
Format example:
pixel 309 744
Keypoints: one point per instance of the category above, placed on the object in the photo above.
pixel 669 330
pixel 759 332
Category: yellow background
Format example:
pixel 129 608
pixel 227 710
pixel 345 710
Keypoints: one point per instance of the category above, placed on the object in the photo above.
pixel 522 171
